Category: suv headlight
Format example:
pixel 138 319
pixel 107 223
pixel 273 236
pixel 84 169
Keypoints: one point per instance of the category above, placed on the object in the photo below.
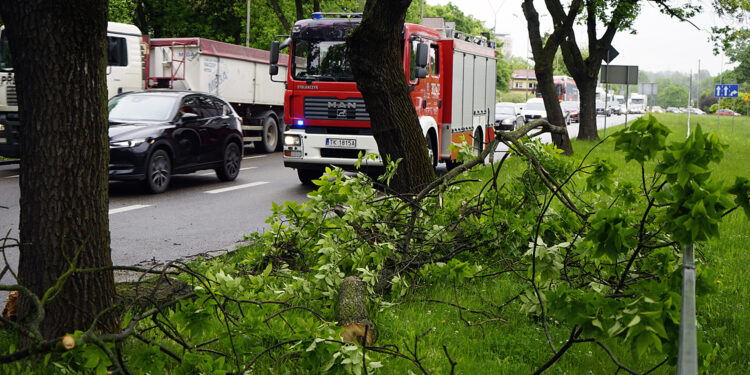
pixel 507 121
pixel 129 143
pixel 2 127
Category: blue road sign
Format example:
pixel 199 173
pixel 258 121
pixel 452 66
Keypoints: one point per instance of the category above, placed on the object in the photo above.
pixel 726 91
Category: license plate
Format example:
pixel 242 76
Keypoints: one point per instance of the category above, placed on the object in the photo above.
pixel 341 142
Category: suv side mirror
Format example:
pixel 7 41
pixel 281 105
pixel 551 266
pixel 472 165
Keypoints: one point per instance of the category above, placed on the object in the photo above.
pixel 420 72
pixel 188 117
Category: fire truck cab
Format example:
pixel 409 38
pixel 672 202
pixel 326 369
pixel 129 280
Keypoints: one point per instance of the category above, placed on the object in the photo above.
pixel 453 93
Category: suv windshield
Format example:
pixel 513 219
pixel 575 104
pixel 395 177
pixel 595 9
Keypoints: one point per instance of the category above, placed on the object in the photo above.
pixel 321 61
pixel 535 106
pixel 130 108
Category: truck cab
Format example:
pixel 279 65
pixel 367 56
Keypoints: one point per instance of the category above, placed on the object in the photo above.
pixel 452 83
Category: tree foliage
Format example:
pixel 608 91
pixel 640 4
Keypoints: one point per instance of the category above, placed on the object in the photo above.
pixel 673 96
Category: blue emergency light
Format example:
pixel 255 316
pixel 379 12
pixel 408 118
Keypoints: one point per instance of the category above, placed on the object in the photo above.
pixel 301 122
pixel 316 16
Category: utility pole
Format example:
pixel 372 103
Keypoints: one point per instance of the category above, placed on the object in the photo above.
pixel 247 26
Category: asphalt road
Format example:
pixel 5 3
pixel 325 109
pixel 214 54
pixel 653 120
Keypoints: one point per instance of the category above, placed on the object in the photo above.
pixel 197 214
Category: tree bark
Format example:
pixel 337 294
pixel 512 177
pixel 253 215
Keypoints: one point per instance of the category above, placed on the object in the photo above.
pixel 544 57
pixel 58 50
pixel 351 312
pixel 375 52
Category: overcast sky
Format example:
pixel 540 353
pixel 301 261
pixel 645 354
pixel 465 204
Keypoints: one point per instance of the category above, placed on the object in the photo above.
pixel 661 44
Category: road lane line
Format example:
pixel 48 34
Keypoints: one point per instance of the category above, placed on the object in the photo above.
pixel 128 208
pixel 14 176
pixel 236 187
pixel 254 157
pixel 212 173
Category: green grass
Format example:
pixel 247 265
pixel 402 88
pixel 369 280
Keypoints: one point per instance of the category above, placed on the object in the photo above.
pixel 517 345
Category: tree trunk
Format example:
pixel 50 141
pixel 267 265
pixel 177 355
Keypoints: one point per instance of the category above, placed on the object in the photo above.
pixel 587 91
pixel 586 71
pixel 544 55
pixel 280 14
pixel 300 10
pixel 376 51
pixel 351 312
pixel 58 50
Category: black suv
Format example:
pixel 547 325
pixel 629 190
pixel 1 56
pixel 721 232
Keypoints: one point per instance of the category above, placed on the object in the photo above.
pixel 155 134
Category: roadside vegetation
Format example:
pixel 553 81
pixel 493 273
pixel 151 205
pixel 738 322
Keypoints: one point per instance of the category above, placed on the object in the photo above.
pixel 456 281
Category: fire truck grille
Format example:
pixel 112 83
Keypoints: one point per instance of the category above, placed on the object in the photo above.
pixel 11 97
pixel 352 109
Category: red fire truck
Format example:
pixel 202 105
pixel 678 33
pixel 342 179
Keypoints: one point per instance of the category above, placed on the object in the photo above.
pixel 452 87
pixel 565 87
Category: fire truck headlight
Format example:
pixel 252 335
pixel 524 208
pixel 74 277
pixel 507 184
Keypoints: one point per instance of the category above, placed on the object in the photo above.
pixel 292 140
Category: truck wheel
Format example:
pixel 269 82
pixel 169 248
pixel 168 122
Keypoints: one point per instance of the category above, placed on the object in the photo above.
pixel 431 152
pixel 478 144
pixel 306 176
pixel 230 164
pixel 158 172
pixel 269 136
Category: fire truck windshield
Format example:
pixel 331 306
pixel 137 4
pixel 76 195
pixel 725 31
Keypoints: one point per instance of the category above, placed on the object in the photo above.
pixel 6 64
pixel 321 61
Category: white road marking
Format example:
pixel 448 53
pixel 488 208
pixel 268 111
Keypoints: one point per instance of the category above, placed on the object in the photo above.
pixel 128 208
pixel 236 187
pixel 211 173
pixel 14 176
pixel 254 157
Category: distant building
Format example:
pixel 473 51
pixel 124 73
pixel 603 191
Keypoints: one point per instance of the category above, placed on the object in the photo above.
pixel 507 44
pixel 523 81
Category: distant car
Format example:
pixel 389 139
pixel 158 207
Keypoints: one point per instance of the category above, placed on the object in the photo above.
pixel 695 111
pixel 534 110
pixel 155 134
pixel 573 109
pixel 657 109
pixel 602 110
pixel 508 116
pixel 727 112
pixel 672 110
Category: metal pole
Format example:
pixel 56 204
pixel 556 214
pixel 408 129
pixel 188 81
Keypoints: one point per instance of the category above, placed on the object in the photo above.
pixel 606 94
pixel 734 102
pixel 721 83
pixel 627 96
pixel 690 92
pixel 698 103
pixel 421 14
pixel 687 357
pixel 247 26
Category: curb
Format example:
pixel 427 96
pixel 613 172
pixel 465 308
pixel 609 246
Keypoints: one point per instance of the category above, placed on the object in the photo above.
pixel 9 162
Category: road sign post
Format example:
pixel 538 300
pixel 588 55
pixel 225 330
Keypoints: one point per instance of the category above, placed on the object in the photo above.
pixel 725 91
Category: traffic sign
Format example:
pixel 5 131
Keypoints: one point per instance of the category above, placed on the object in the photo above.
pixel 726 91
pixel 611 54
